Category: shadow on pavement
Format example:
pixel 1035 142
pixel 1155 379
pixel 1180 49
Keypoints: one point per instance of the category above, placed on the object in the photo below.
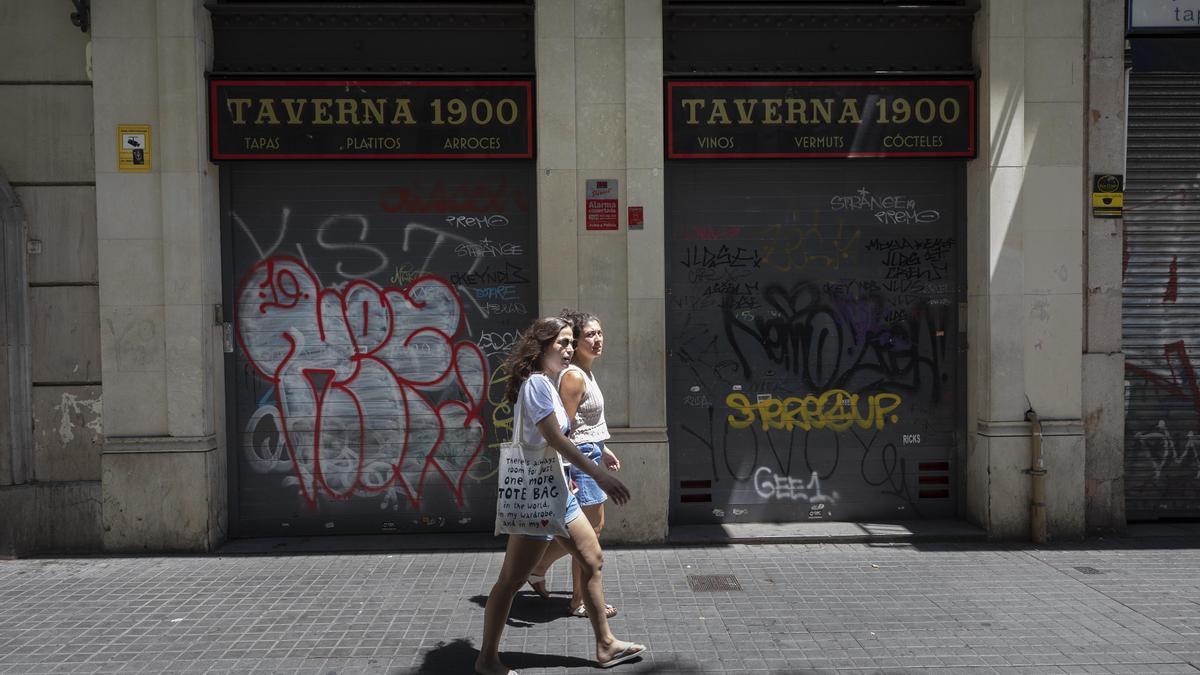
pixel 1177 533
pixel 528 608
pixel 458 656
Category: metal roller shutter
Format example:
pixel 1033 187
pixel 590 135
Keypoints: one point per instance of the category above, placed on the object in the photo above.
pixel 1161 319
pixel 814 355
pixel 370 306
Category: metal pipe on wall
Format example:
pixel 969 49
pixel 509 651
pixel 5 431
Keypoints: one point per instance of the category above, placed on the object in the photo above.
pixel 1037 481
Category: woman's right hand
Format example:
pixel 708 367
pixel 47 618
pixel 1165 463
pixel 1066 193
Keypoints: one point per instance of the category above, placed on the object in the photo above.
pixel 615 488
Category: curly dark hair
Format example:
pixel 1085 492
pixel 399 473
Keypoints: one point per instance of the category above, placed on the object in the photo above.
pixel 577 319
pixel 524 357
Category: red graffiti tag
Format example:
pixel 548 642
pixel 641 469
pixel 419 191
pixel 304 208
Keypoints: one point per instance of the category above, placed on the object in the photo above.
pixel 355 374
pixel 1124 254
pixel 1172 291
pixel 496 197
pixel 1181 384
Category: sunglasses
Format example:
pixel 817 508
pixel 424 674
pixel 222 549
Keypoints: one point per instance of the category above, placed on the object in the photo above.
pixel 567 342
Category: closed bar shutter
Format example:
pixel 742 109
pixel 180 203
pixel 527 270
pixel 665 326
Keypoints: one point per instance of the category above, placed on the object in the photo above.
pixel 372 305
pixel 813 348
pixel 1161 319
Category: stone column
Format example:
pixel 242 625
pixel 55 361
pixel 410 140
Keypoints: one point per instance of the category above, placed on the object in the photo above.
pixel 163 469
pixel 1103 361
pixel 16 439
pixel 599 78
pixel 557 204
pixel 1025 205
pixel 646 438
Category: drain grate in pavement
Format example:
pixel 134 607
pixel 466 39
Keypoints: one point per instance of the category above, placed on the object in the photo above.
pixel 713 582
pixel 1088 570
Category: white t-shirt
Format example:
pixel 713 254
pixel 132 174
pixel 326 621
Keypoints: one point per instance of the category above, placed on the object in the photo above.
pixel 538 398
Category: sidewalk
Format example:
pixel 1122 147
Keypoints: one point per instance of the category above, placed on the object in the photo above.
pixel 1118 605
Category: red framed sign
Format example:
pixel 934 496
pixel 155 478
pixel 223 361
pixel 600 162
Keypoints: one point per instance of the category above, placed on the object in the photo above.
pixel 600 208
pixel 383 119
pixel 882 118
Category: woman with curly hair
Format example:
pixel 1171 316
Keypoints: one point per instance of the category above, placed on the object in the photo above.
pixel 584 403
pixel 534 364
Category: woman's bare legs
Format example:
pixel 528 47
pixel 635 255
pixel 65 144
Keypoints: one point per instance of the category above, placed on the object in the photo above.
pixel 553 552
pixel 585 548
pixel 520 556
pixel 595 516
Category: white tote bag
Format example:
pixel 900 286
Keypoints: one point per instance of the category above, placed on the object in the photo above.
pixel 532 494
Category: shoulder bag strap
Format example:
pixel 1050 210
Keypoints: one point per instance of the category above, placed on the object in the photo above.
pixel 517 426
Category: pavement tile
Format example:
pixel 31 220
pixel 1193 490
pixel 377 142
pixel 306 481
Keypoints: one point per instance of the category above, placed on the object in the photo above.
pixel 970 607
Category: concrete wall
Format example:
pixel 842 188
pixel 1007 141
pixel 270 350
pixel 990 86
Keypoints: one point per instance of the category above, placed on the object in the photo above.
pixel 159 271
pixel 1103 361
pixel 47 153
pixel 599 78
pixel 1025 261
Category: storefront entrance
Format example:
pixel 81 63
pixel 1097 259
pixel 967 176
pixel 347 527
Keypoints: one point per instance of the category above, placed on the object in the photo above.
pixel 1160 316
pixel 371 306
pixel 814 339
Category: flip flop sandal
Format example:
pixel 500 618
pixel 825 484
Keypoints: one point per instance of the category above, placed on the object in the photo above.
pixel 534 582
pixel 633 651
pixel 581 611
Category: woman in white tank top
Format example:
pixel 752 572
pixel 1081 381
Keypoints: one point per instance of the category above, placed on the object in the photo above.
pixel 584 403
pixel 534 364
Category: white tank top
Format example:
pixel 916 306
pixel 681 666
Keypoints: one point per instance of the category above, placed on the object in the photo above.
pixel 589 425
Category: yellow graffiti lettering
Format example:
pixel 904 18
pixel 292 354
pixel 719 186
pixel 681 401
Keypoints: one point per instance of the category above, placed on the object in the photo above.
pixel 502 425
pixel 835 410
pixel 740 402
pixel 403 275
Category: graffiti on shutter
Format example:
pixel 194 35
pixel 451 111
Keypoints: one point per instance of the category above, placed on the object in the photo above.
pixel 373 308
pixel 813 337
pixel 1160 303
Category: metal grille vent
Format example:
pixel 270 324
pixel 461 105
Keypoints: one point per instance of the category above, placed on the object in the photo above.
pixel 702 583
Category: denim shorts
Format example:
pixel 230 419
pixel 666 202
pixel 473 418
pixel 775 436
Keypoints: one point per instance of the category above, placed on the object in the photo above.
pixel 573 512
pixel 589 493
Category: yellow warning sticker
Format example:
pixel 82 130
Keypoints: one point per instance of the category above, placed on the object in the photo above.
pixel 1108 204
pixel 133 147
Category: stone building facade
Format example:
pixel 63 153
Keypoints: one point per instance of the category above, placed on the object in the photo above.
pixel 146 411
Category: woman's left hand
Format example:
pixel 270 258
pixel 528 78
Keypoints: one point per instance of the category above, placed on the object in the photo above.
pixel 610 460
